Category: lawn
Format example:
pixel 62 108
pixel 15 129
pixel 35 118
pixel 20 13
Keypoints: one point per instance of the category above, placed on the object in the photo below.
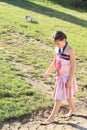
pixel 18 97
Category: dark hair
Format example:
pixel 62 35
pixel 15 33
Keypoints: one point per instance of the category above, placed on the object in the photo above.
pixel 59 35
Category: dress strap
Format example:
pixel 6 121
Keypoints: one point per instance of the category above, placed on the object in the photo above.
pixel 64 47
pixel 59 51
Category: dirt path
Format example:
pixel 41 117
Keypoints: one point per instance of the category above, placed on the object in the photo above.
pixel 77 122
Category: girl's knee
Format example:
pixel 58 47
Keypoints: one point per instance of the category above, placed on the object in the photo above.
pixel 58 101
pixel 69 99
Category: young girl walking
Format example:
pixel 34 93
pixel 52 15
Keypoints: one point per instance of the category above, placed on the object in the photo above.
pixel 65 64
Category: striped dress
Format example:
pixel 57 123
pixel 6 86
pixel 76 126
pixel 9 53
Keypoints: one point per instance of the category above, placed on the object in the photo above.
pixel 61 92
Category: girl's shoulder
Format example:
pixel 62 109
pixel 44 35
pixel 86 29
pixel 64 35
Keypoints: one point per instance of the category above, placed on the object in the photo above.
pixel 68 49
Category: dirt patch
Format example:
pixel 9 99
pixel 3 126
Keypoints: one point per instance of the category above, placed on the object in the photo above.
pixel 36 84
pixel 77 121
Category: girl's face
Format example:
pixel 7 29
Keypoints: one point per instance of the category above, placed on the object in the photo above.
pixel 60 44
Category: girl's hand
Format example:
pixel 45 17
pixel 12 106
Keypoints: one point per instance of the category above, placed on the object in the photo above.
pixel 46 76
pixel 69 83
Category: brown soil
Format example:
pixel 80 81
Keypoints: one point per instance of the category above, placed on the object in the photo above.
pixel 77 121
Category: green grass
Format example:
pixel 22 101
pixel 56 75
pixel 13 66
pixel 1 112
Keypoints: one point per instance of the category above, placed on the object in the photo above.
pixel 18 96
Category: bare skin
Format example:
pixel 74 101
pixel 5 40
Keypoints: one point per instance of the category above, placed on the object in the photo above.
pixel 54 112
pixel 56 108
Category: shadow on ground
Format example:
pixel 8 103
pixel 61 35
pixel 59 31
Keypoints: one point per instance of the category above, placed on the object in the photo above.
pixel 47 11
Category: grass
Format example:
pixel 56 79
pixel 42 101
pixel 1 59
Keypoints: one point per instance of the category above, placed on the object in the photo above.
pixel 18 97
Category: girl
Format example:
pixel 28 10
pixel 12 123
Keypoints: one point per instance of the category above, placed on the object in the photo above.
pixel 65 64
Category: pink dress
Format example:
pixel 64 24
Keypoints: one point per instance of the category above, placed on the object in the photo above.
pixel 61 92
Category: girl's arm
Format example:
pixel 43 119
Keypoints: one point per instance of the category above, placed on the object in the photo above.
pixel 73 64
pixel 73 67
pixel 51 67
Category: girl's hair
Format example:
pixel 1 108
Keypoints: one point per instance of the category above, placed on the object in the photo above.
pixel 59 35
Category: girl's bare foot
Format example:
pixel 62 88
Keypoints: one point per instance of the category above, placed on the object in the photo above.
pixel 70 113
pixel 47 122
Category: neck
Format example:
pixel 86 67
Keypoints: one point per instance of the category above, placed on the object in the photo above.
pixel 65 45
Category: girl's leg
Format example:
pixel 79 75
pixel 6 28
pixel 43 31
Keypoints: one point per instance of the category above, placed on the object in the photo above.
pixel 54 112
pixel 72 106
